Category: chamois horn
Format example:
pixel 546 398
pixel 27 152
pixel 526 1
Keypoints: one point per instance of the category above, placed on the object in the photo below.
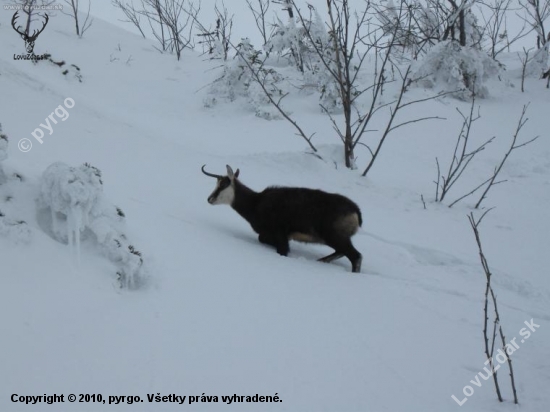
pixel 210 174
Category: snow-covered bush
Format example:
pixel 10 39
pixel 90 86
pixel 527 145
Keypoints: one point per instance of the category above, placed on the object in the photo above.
pixel 473 30
pixel 317 71
pixel 3 154
pixel 451 67
pixel 16 231
pixel 108 230
pixel 290 41
pixel 304 45
pixel 74 198
pixel 237 77
pixel 325 84
pixel 13 229
pixel 397 23
pixel 258 101
pixel 237 80
pixel 538 64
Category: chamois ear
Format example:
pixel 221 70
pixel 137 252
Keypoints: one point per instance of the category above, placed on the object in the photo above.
pixel 232 175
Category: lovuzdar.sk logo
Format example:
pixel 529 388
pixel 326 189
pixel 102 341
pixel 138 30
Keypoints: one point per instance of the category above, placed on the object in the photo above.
pixel 29 38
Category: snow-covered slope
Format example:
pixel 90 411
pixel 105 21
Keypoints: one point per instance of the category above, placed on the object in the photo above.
pixel 222 314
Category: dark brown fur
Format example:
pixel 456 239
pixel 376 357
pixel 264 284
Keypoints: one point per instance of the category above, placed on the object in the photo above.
pixel 280 214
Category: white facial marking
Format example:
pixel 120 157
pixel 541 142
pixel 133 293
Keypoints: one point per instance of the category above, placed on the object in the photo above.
pixel 225 197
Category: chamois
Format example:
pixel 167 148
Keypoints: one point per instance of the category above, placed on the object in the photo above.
pixel 280 214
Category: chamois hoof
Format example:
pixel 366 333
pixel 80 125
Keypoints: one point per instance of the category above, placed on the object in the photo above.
pixel 356 266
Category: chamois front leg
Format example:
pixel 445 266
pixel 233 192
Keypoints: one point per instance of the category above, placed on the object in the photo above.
pixel 279 241
pixel 282 247
pixel 266 239
pixel 282 244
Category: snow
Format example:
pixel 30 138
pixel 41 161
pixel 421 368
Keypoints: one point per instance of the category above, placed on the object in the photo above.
pixel 73 193
pixel 221 314
pixel 453 68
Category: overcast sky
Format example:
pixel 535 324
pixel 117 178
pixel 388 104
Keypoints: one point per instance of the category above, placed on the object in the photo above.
pixel 244 23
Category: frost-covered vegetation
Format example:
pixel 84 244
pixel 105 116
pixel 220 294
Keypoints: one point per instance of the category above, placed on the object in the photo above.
pixel 73 196
pixel 3 154
pixel 14 229
pixel 461 70
pixel 445 47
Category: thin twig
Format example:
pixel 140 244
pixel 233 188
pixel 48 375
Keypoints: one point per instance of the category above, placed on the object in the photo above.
pixel 513 146
pixel 276 104
pixel 488 290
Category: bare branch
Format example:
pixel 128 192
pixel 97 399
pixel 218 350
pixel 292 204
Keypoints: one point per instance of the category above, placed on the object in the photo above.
pixel 513 146
pixel 276 104
pixel 489 349
pixel 259 17
pixel 461 157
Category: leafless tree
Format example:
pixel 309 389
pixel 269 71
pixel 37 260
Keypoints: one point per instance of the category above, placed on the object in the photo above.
pixel 170 22
pixel 179 22
pixel 490 296
pixel 224 28
pixel 513 146
pixel 449 17
pixel 297 50
pixel 207 38
pixel 461 157
pixel 288 6
pixel 74 7
pixel 525 60
pixel 395 106
pixel 131 14
pixel 423 24
pixel 488 183
pixel 152 10
pixel 495 25
pixel 260 75
pixel 546 75
pixel 353 37
pixel 3 146
pixel 259 11
pixel 537 13
pixel 489 346
pixel 418 27
pixel 29 8
pixel 216 42
pixel 343 61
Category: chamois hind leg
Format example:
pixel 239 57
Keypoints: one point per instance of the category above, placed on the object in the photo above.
pixel 345 247
pixel 331 257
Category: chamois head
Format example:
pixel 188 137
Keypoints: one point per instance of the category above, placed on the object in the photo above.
pixel 224 192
